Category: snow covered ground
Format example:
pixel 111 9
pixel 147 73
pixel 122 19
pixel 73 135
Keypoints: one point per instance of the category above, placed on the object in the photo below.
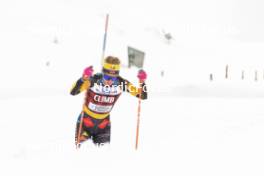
pixel 189 125
pixel 178 136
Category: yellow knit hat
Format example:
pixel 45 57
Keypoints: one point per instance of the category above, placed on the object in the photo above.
pixel 111 66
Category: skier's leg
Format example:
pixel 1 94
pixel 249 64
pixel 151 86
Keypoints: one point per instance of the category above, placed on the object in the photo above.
pixel 84 134
pixel 103 134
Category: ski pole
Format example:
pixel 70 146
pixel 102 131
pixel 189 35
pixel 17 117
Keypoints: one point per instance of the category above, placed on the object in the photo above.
pixel 105 37
pixel 78 141
pixel 79 130
pixel 138 115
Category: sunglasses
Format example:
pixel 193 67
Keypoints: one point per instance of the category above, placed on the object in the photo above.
pixel 108 78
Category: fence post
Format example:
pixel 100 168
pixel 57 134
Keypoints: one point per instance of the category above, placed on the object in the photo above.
pixel 211 77
pixel 226 72
pixel 243 75
pixel 256 75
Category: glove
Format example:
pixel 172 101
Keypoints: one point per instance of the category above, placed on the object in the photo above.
pixel 142 75
pixel 87 72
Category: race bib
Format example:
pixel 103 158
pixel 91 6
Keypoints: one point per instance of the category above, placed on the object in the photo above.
pixel 100 108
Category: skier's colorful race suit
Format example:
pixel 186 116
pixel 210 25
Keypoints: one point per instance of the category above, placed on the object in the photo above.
pixel 99 102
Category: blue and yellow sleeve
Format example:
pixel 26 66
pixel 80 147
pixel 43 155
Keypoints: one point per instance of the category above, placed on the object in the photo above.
pixel 80 86
pixel 140 92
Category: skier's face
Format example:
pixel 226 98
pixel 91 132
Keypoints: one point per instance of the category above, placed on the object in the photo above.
pixel 108 80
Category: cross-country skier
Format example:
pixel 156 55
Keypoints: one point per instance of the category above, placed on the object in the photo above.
pixel 102 91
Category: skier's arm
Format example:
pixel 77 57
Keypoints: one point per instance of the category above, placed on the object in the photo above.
pixel 83 83
pixel 80 86
pixel 133 90
pixel 140 92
